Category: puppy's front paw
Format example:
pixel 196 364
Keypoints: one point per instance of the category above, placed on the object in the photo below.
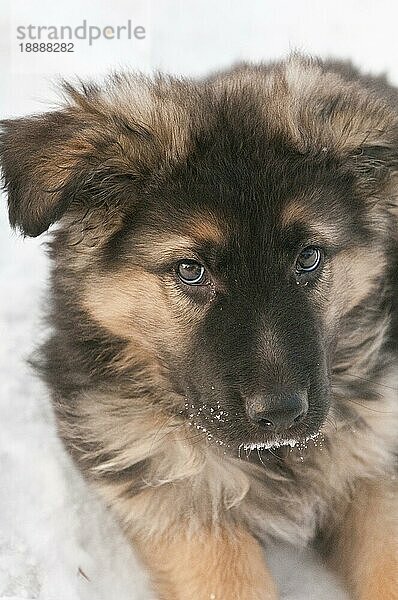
pixel 222 565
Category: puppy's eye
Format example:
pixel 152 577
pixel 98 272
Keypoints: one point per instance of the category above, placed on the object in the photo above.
pixel 308 260
pixel 191 272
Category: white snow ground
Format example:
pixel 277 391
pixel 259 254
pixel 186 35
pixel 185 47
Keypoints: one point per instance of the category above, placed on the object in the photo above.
pixel 52 527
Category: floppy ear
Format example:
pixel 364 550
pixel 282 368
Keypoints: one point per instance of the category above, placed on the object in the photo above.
pixel 38 156
pixel 376 165
pixel 345 115
pixel 86 152
pixel 364 128
pixel 63 158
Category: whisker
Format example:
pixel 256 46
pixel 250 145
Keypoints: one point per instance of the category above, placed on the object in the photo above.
pixel 273 454
pixel 260 459
pixel 388 387
pixel 332 422
pixel 190 438
pixel 162 426
pixel 382 412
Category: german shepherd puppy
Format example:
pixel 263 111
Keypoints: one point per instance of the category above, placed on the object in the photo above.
pixel 223 357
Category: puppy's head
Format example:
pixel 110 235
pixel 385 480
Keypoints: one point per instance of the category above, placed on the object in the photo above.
pixel 234 234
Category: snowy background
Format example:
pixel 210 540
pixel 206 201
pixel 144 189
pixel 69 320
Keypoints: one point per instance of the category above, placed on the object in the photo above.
pixel 57 542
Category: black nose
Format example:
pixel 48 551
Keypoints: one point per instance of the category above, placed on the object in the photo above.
pixel 277 411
